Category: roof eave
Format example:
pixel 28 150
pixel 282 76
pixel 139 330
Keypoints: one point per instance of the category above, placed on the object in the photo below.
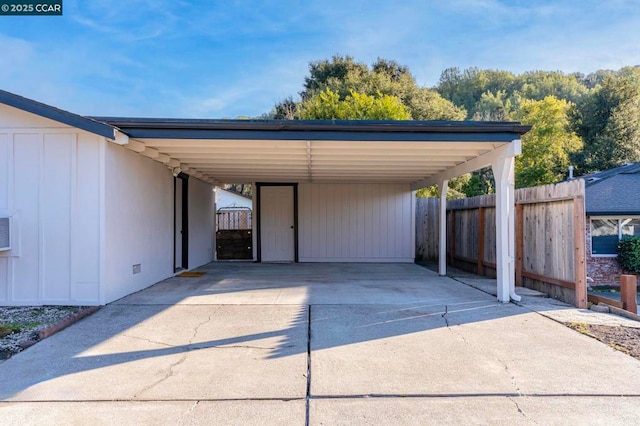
pixel 318 125
pixel 613 213
pixel 43 110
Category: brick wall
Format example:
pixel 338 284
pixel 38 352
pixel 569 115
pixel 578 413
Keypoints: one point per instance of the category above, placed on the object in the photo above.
pixel 603 270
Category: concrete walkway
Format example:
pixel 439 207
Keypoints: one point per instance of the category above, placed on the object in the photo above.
pixel 318 344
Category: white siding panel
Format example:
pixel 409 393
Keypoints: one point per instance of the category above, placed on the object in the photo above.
pixel 27 153
pixel 4 279
pixel 355 223
pixel 56 217
pixel 201 223
pixel 49 184
pixel 4 209
pixel 138 222
pixel 86 221
pixel 4 174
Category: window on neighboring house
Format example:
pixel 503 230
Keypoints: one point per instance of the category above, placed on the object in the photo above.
pixel 606 232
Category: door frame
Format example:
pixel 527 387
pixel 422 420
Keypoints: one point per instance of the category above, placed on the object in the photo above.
pixel 184 178
pixel 259 186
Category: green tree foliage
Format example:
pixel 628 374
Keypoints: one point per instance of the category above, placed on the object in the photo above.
pixel 344 76
pixel 609 122
pixel 455 188
pixel 327 105
pixel 492 107
pixel 537 85
pixel 240 188
pixel 629 254
pixel 467 88
pixel 546 149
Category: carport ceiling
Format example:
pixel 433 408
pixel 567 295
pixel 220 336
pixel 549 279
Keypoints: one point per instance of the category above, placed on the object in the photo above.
pixel 238 151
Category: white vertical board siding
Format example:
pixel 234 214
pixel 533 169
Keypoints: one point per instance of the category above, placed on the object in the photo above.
pixel 5 168
pixel 201 223
pixel 55 198
pixel 138 222
pixel 27 151
pixel 85 224
pixel 49 185
pixel 355 223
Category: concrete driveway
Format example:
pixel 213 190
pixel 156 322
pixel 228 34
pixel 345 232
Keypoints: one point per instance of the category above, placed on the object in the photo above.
pixel 318 344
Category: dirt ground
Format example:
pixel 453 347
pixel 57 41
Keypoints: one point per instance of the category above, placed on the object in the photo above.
pixel 624 339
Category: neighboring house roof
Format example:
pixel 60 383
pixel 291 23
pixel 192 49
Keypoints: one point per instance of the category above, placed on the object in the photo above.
pixel 613 192
pixel 226 199
pixel 61 116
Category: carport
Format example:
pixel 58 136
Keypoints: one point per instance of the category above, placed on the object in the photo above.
pixel 338 191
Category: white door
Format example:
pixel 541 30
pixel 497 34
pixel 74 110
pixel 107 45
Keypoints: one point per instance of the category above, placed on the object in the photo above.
pixel 277 224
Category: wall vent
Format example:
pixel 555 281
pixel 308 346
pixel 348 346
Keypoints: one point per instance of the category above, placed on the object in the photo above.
pixel 5 234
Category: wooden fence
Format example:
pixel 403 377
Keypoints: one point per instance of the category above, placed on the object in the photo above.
pixel 550 237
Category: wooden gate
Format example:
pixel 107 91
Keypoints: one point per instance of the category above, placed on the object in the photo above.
pixel 234 238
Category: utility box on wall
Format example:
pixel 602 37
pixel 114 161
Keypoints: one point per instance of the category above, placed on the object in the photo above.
pixel 5 233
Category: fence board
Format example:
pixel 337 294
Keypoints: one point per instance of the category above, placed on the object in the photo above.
pixel 427 222
pixel 550 240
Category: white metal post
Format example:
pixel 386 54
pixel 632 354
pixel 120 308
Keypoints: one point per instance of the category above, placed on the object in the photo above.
pixel 502 228
pixel 442 256
pixel 512 232
pixel 505 226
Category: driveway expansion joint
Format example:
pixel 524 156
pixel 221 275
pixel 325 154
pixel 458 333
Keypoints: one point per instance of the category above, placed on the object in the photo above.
pixel 308 392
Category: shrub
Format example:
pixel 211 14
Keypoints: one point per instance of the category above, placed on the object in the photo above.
pixel 629 254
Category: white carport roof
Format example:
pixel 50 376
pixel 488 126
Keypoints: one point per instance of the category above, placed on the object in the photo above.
pixel 244 151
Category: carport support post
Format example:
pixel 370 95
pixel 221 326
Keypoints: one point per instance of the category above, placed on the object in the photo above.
pixel 442 256
pixel 503 171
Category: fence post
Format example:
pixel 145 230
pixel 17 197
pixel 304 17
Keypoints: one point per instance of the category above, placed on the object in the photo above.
pixel 579 255
pixel 629 293
pixel 519 243
pixel 481 216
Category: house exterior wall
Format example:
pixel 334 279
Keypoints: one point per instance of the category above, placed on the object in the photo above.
pixel 355 223
pixel 138 222
pixel 201 223
pixel 603 270
pixel 50 176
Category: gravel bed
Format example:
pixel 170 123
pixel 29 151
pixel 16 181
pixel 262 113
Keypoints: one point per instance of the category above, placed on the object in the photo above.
pixel 29 320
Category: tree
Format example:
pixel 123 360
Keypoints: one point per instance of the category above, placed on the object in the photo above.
pixel 492 107
pixel 327 105
pixel 537 85
pixel 342 76
pixel 284 110
pixel 609 123
pixel 240 188
pixel 467 88
pixel 455 188
pixel 546 149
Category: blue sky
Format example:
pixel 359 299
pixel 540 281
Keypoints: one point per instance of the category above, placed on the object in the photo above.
pixel 228 58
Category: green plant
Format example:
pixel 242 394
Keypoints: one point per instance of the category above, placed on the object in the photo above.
pixel 6 329
pixel 629 254
pixel 16 327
